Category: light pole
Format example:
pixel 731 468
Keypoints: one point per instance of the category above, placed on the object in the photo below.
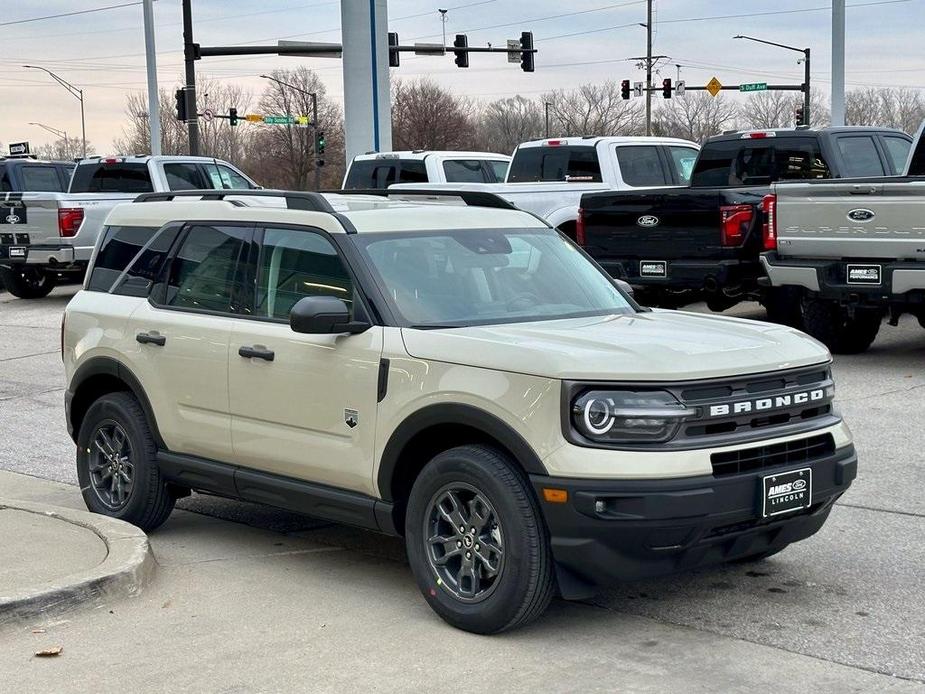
pixel 806 54
pixel 314 97
pixel 55 131
pixel 76 93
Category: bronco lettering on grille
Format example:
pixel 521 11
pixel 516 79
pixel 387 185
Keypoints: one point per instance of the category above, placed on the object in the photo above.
pixel 764 404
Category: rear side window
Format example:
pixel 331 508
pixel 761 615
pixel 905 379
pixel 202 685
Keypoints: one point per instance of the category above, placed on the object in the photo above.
pixel 41 179
pixel 576 163
pixel 859 156
pixel 641 166
pixel 463 171
pixel 184 177
pixel 111 178
pixel 205 274
pixel 118 247
pixel 898 150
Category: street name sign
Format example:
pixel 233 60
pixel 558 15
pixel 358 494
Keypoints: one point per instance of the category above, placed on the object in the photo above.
pixel 754 87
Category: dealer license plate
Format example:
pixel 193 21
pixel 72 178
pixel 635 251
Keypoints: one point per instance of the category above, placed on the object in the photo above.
pixel 787 492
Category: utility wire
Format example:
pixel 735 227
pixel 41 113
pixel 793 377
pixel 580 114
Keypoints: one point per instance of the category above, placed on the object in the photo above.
pixel 68 14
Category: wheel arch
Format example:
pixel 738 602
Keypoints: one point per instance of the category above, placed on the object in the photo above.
pixel 97 377
pixel 437 428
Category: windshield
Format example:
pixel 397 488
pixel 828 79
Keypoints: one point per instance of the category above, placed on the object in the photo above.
pixel 487 276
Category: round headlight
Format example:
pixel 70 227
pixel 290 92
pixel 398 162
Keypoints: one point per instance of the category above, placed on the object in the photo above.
pixel 624 416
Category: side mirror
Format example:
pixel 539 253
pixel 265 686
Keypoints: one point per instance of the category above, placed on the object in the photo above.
pixel 323 315
pixel 626 287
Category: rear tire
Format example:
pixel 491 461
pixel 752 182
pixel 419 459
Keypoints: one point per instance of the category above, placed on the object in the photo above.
pixel 837 329
pixel 27 282
pixel 509 580
pixel 117 464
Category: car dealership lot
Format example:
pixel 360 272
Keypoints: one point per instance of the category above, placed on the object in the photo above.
pixel 850 596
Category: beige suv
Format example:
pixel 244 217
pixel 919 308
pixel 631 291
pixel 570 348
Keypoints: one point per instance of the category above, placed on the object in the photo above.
pixel 446 368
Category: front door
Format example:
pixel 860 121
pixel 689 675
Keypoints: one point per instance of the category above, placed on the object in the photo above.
pixel 302 406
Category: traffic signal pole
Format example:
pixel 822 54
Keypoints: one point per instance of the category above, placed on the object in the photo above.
pixel 649 68
pixel 189 58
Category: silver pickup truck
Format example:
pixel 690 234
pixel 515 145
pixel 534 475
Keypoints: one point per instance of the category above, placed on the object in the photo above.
pixel 852 250
pixel 47 235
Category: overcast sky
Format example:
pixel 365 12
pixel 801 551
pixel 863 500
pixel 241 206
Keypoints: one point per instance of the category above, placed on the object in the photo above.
pixel 578 41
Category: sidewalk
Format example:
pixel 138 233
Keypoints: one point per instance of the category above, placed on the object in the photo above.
pixel 237 608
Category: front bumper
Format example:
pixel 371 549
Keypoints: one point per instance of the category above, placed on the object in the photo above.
pixel 687 274
pixel 657 527
pixel 899 282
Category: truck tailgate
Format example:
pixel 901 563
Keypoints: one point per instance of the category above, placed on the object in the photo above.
pixel 35 215
pixel 852 219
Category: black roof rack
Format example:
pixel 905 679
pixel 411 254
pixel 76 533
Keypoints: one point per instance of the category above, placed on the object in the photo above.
pixel 472 198
pixel 295 200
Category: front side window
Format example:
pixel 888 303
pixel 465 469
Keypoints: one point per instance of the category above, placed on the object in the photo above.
pixel 498 169
pixel 295 264
pixel 41 179
pixel 683 159
pixel 898 150
pixel 641 166
pixel 463 171
pixel 486 276
pixel 860 156
pixel 225 178
pixel 205 274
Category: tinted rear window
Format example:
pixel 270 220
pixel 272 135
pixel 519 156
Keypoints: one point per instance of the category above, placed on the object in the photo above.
pixel 381 173
pixel 578 162
pixel 759 162
pixel 111 178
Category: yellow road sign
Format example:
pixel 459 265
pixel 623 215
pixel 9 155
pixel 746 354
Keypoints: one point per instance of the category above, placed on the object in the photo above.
pixel 253 118
pixel 714 87
pixel 302 120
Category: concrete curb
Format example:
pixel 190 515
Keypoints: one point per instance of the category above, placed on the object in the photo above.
pixel 128 566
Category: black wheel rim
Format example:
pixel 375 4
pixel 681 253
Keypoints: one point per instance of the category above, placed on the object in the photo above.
pixel 464 542
pixel 32 278
pixel 112 470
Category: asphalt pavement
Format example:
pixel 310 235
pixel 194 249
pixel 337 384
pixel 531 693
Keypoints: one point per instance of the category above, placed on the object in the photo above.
pixel 842 611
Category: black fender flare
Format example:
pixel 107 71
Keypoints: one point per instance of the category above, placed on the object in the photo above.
pixel 107 366
pixel 453 414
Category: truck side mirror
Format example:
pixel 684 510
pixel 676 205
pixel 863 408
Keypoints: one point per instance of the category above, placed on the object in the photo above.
pixel 323 315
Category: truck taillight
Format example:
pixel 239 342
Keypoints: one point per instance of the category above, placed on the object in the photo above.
pixel 69 220
pixel 769 228
pixel 580 228
pixel 735 221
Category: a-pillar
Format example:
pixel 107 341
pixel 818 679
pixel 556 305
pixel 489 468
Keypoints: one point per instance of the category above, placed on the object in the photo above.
pixel 367 106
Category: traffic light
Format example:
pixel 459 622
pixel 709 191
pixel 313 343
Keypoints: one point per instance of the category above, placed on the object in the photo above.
pixel 625 89
pixel 527 62
pixel 232 117
pixel 461 44
pixel 798 116
pixel 180 96
pixel 666 87
pixel 319 147
pixel 394 55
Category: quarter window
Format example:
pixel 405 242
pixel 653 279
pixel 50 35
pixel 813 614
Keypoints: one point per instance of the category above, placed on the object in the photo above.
pixel 205 274
pixel 120 244
pixel 295 264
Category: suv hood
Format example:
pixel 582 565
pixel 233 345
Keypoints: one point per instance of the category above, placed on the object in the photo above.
pixel 657 345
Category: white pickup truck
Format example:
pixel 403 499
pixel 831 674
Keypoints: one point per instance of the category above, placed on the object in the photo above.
pixel 54 233
pixel 548 177
pixel 382 169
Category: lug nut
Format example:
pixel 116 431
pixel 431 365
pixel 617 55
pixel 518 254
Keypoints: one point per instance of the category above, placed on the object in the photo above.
pixel 458 543
pixel 468 555
pixel 462 528
pixel 477 548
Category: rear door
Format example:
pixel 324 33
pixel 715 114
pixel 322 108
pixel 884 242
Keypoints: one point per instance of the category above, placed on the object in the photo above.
pixel 306 408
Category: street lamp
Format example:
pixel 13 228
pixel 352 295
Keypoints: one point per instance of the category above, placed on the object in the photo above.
pixel 806 53
pixel 314 97
pixel 55 131
pixel 76 93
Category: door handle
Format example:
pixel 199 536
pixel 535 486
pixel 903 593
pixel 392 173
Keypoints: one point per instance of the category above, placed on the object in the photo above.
pixel 151 338
pixel 257 352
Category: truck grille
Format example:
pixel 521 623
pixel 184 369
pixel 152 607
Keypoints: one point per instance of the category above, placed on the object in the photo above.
pixel 794 452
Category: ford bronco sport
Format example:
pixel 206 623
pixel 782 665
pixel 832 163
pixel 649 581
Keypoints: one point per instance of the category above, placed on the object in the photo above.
pixel 445 368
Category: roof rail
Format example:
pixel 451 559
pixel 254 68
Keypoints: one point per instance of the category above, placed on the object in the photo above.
pixel 472 198
pixel 295 200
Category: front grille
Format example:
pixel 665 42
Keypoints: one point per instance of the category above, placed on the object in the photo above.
pixel 794 452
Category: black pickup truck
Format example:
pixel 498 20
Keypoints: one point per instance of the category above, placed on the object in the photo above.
pixel 702 241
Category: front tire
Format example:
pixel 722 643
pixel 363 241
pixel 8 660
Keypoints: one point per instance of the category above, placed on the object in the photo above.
pixel 27 282
pixel 477 543
pixel 117 464
pixel 837 329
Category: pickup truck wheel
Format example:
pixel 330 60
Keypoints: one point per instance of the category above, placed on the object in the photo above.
pixel 784 306
pixel 842 333
pixel 476 542
pixel 117 465
pixel 26 282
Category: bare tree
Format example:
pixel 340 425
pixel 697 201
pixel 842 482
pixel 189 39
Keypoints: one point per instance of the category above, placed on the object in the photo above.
pixel 594 109
pixel 777 109
pixel 695 116
pixel 889 108
pixel 64 151
pixel 506 123
pixel 283 155
pixel 427 116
